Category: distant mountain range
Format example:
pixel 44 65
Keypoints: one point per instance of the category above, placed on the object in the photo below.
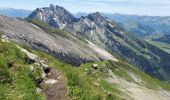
pixel 143 25
pixel 140 25
pixel 11 12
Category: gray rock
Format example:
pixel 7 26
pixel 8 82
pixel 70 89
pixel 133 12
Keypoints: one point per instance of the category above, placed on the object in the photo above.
pixel 55 16
pixel 38 90
pixel 95 66
pixel 71 50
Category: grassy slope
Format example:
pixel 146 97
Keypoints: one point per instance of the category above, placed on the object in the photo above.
pixel 15 81
pixel 163 46
pixel 82 81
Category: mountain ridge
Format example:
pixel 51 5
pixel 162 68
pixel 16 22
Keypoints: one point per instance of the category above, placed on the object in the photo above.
pixel 110 36
pixel 12 12
pixel 159 24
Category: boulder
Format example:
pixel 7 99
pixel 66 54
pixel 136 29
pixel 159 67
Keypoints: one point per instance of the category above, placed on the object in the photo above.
pixel 95 66
pixel 51 81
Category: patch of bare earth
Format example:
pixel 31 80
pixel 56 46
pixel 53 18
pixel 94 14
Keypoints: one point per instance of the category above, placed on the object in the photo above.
pixel 136 91
pixel 54 86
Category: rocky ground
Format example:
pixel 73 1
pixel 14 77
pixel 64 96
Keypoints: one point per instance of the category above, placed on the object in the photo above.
pixel 138 91
pixel 54 87
pixel 51 82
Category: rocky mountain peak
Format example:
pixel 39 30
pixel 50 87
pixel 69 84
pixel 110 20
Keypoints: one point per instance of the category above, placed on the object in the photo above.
pixel 55 16
pixel 52 7
pixel 96 17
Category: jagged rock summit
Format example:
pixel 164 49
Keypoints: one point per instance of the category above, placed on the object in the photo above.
pixel 55 16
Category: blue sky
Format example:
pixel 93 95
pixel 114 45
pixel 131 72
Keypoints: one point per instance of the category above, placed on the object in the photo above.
pixel 140 7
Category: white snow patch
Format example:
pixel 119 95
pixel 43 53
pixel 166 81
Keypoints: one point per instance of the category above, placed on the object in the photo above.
pixel 42 10
pixel 91 32
pixel 111 25
pixel 41 16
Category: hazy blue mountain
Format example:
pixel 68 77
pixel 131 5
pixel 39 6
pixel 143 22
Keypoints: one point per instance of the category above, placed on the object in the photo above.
pixel 165 39
pixel 79 14
pixel 157 24
pixel 11 12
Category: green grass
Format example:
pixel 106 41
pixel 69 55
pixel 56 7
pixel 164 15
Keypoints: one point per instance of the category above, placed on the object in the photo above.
pixel 61 33
pixel 80 86
pixel 47 28
pixel 163 46
pixel 17 84
pixel 115 90
pixel 15 81
pixel 122 69
pixel 40 24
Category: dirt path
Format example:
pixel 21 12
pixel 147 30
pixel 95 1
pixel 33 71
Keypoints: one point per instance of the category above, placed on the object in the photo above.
pixel 54 86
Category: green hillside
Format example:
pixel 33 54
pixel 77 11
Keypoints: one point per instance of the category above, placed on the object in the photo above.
pixel 15 81
pixel 83 83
